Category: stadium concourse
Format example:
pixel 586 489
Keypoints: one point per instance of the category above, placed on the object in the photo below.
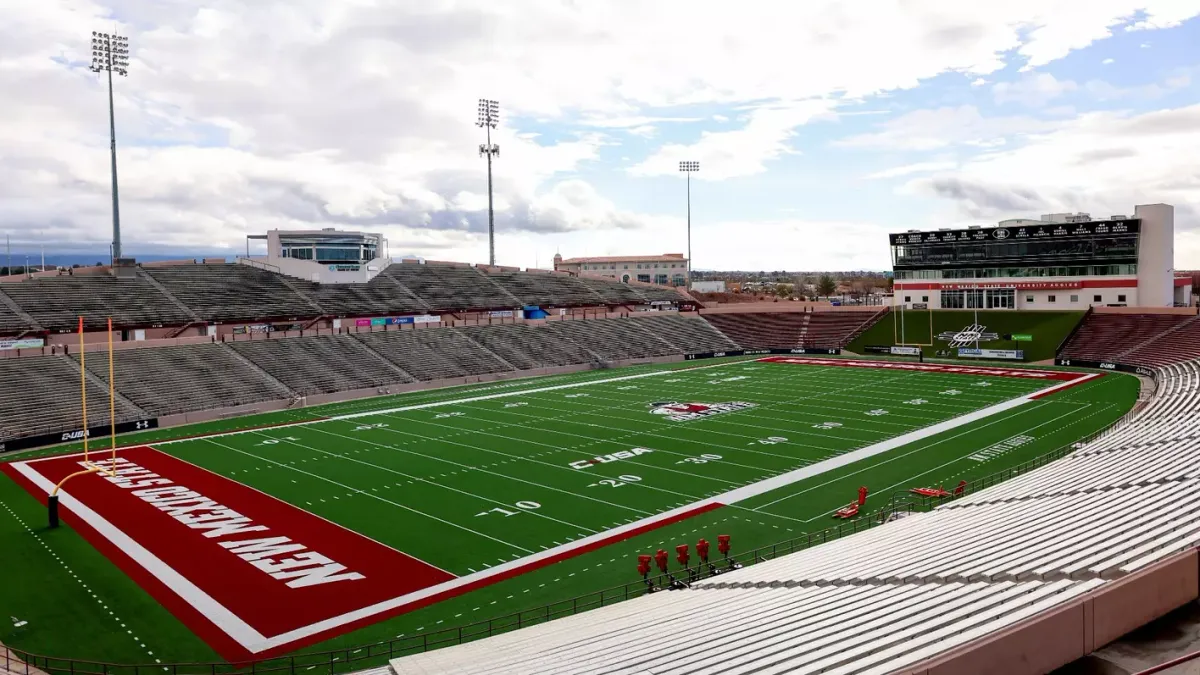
pixel 1021 577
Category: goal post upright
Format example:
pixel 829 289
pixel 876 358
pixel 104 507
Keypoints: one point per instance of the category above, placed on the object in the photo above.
pixel 52 501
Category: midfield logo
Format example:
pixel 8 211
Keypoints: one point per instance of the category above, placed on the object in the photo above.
pixel 686 412
pixel 968 336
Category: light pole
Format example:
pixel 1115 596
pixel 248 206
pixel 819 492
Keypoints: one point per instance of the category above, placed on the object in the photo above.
pixel 489 116
pixel 689 168
pixel 110 53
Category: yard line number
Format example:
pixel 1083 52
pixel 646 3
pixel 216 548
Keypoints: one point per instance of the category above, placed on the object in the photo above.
pixel 522 505
pixel 624 479
pixel 699 459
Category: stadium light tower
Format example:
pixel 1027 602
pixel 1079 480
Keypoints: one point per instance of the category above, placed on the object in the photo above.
pixel 489 116
pixel 689 168
pixel 110 53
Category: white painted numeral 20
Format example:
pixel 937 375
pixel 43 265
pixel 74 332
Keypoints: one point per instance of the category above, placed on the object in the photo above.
pixel 624 479
pixel 524 506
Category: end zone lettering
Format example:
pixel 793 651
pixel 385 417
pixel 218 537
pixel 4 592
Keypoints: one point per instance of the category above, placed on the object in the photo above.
pixel 303 568
pixel 604 459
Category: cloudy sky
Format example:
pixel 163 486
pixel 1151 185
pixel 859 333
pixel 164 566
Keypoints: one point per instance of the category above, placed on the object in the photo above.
pixel 819 125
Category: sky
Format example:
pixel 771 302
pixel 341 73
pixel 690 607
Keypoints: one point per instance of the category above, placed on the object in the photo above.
pixel 819 126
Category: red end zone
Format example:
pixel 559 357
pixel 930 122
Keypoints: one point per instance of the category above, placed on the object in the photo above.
pixel 250 574
pixel 228 560
pixel 988 371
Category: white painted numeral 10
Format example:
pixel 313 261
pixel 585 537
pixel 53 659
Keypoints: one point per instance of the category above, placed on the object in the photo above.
pixel 523 505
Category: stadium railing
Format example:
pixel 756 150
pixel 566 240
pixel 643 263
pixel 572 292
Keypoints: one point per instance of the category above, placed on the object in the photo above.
pixel 915 503
pixel 359 657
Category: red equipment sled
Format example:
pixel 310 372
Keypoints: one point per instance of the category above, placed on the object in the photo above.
pixel 851 509
pixel 939 492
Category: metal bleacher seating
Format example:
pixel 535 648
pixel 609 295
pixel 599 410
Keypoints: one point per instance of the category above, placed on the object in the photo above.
pixel 380 296
pixel 613 293
pixel 761 331
pixel 613 339
pixel 446 287
pixel 166 381
pixel 691 335
pixel 57 302
pixel 40 395
pixel 231 292
pixel 887 599
pixel 1112 337
pixel 433 353
pixel 526 346
pixel 11 323
pixel 546 289
pixel 320 364
pixel 837 329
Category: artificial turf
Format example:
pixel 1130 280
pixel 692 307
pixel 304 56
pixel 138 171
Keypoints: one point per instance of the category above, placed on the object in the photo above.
pixel 440 482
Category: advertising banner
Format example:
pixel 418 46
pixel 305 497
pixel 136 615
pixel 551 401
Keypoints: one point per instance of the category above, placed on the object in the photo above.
pixel 379 322
pixel 752 352
pixel 970 352
pixel 1022 337
pixel 362 322
pixel 75 435
pixel 904 350
pixel 25 343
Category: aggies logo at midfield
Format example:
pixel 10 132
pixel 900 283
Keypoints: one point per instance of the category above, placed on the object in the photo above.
pixel 684 412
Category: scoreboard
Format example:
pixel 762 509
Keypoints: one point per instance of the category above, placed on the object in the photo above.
pixel 1110 242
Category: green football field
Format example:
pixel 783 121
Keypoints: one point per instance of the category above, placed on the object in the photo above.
pixel 512 495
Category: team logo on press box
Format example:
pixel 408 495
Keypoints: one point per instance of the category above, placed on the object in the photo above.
pixel 685 412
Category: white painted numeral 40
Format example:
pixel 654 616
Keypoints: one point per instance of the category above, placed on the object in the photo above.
pixel 524 506
pixel 772 440
pixel 275 441
pixel 702 459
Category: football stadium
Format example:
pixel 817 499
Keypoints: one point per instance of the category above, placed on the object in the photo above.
pixel 325 460
pixel 223 467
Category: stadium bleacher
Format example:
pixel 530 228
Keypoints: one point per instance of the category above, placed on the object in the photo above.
pixel 41 396
pixel 432 354
pixel 691 335
pixel 527 346
pixel 762 330
pixel 891 598
pixel 57 302
pixel 1136 339
pixel 232 292
pixel 175 295
pixel 181 379
pixel 614 339
pixel 320 364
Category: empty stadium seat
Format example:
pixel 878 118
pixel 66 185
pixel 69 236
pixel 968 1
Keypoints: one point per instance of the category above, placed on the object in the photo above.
pixel 57 302
pixel 234 292
pixel 41 395
pixel 320 364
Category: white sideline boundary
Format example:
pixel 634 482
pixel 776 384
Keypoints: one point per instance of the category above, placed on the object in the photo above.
pixel 255 643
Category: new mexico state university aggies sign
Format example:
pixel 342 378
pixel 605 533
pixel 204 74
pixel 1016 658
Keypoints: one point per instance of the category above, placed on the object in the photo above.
pixel 753 352
pixel 76 435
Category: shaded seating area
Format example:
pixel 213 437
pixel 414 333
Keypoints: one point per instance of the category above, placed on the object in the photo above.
pixel 10 322
pixel 166 381
pixel 546 289
pixel 320 364
pixel 57 302
pixel 234 292
pixel 380 296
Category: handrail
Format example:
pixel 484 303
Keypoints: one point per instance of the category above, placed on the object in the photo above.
pixel 362 656
pixel 1169 664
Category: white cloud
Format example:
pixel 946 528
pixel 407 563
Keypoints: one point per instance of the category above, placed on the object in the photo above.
pixel 1107 62
pixel 1033 91
pixel 910 169
pixel 741 152
pixel 978 82
pixel 944 127
pixel 1101 163
pixel 237 117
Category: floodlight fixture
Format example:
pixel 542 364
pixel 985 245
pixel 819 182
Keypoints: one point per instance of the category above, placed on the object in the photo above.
pixel 489 117
pixel 110 54
pixel 688 167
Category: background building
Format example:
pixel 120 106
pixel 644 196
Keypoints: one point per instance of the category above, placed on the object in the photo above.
pixel 1062 261
pixel 668 269
pixel 326 256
